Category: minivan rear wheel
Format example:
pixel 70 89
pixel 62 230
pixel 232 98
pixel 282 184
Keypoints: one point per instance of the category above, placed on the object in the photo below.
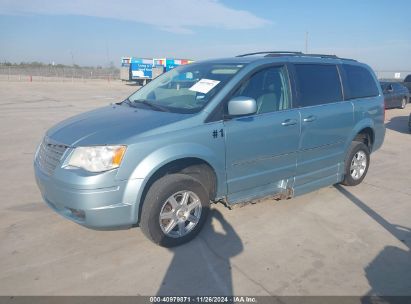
pixel 174 210
pixel 356 164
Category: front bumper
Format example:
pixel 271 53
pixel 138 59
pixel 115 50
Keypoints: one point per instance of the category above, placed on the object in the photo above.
pixel 100 207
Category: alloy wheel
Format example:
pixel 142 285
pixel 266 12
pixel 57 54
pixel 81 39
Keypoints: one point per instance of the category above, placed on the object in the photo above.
pixel 358 165
pixel 180 213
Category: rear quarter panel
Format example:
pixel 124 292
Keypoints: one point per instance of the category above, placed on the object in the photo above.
pixel 369 112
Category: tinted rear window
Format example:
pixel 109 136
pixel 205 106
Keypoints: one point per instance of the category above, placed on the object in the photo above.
pixel 318 84
pixel 360 82
pixel 398 87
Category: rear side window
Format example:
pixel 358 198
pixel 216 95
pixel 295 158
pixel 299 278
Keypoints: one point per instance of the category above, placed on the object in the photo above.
pixel 398 87
pixel 360 82
pixel 318 84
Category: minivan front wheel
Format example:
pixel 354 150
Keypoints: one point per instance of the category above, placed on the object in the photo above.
pixel 356 164
pixel 403 103
pixel 174 210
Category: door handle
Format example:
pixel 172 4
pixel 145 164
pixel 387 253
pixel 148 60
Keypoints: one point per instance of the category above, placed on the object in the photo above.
pixel 289 122
pixel 310 118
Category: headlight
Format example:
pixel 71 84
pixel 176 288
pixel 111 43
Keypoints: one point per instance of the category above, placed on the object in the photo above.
pixel 98 158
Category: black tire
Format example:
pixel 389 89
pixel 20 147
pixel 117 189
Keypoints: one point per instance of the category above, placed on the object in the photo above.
pixel 158 194
pixel 403 103
pixel 355 148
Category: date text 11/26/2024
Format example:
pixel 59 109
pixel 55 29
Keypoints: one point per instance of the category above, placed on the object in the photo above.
pixel 203 299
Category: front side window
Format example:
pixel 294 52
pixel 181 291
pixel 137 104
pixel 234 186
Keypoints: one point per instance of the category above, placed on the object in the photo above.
pixel 318 84
pixel 185 89
pixel 269 88
pixel 360 82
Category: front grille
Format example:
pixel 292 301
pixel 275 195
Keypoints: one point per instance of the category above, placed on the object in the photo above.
pixel 49 155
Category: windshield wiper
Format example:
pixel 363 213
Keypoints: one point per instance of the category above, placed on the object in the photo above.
pixel 128 101
pixel 151 105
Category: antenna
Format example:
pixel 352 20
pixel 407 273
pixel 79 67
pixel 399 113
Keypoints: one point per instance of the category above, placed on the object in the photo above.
pixel 108 55
pixel 72 57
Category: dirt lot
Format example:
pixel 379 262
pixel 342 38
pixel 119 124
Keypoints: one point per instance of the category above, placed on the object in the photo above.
pixel 335 241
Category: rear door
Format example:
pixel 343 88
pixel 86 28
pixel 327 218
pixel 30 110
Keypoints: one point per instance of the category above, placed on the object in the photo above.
pixel 392 98
pixel 399 94
pixel 326 123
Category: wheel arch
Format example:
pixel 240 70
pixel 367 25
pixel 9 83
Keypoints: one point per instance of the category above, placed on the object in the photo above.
pixel 367 136
pixel 159 163
pixel 192 166
pixel 364 132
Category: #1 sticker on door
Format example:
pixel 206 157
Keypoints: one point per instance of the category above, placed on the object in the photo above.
pixel 204 85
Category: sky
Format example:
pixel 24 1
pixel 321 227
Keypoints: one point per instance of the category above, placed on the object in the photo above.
pixel 97 32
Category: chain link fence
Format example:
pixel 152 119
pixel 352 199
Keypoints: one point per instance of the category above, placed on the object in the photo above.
pixel 56 73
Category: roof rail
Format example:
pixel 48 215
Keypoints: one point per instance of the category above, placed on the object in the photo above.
pixel 288 53
pixel 326 56
pixel 312 55
pixel 349 59
pixel 270 52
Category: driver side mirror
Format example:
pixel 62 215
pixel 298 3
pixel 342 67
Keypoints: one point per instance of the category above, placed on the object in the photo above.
pixel 242 105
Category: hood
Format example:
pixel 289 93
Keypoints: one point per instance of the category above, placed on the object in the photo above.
pixel 110 125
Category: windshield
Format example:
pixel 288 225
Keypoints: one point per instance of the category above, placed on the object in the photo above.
pixel 185 89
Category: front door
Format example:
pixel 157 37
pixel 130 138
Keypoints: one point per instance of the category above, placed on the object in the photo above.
pixel 261 148
pixel 389 96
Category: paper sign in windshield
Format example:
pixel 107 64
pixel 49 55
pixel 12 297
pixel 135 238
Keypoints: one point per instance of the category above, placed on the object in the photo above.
pixel 204 85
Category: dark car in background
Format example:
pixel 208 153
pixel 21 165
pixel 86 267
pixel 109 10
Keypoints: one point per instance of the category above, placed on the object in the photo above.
pixel 395 95
pixel 407 83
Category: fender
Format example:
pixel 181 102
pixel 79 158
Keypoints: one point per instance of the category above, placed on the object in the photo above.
pixel 160 157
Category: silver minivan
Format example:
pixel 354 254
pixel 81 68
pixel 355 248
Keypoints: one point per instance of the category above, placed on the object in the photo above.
pixel 233 130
